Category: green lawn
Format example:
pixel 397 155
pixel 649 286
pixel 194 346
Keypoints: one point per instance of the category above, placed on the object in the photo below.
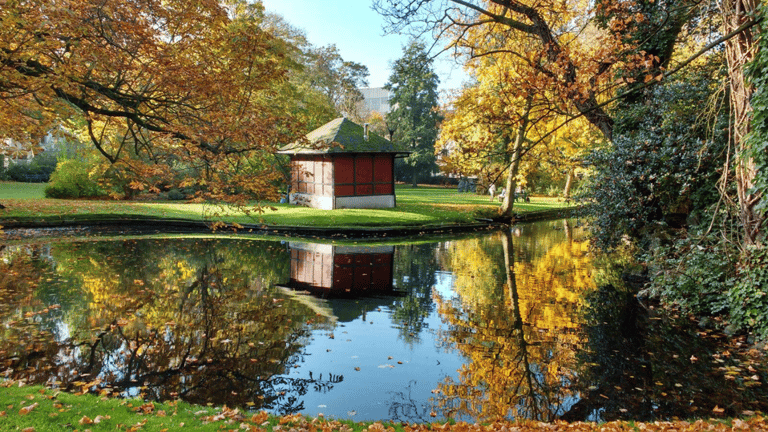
pixel 423 206
pixel 12 190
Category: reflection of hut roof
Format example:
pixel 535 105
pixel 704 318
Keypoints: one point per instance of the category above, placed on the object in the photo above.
pixel 341 136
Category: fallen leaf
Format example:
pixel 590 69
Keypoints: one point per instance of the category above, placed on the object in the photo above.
pixel 25 410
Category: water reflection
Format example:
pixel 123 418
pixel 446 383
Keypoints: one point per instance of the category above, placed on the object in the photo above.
pixel 501 325
pixel 160 319
pixel 517 323
pixel 328 270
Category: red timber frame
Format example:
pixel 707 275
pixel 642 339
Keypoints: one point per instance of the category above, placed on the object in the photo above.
pixel 345 175
pixel 342 273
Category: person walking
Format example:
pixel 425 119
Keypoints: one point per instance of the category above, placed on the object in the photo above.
pixel 492 190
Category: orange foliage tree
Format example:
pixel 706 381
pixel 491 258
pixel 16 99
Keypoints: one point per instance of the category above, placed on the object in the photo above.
pixel 182 86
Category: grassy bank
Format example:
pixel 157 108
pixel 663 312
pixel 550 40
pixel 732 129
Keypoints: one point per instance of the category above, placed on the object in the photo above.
pixel 36 409
pixel 423 206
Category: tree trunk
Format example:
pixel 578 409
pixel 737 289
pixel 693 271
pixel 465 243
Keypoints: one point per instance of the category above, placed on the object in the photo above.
pixel 739 51
pixel 414 178
pixel 568 183
pixel 514 165
pixel 509 264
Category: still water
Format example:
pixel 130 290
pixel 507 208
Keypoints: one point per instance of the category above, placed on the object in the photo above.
pixel 521 323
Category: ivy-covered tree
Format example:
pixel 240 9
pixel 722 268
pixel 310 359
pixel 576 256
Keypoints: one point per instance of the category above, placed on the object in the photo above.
pixel 414 117
pixel 758 145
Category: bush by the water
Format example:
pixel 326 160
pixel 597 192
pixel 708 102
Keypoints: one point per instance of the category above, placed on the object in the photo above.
pixel 699 274
pixel 72 180
pixel 748 298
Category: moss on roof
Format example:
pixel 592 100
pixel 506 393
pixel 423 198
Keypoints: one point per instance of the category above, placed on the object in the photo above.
pixel 340 136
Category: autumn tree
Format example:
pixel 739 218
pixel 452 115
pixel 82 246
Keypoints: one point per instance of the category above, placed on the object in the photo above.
pixel 504 120
pixel 188 83
pixel 414 116
pixel 297 94
pixel 338 80
pixel 321 84
pixel 467 26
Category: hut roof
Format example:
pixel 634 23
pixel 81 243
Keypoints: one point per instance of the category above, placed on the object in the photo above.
pixel 341 136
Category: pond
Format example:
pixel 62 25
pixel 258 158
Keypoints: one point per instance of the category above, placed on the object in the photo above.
pixel 519 323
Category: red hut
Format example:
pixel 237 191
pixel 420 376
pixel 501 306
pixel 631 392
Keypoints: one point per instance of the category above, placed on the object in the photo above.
pixel 333 271
pixel 342 165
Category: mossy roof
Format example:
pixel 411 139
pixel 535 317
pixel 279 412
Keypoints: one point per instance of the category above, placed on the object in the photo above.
pixel 341 136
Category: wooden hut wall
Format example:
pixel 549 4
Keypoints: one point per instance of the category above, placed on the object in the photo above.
pixel 312 175
pixel 362 272
pixel 312 268
pixel 364 174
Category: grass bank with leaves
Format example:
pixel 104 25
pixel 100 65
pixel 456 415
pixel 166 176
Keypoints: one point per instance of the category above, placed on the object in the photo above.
pixel 37 409
pixel 416 207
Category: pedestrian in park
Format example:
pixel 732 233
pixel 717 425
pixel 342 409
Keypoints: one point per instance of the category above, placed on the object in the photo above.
pixel 492 190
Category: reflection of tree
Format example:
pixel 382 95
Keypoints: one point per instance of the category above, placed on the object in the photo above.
pixel 645 366
pixel 189 319
pixel 414 274
pixel 404 408
pixel 23 341
pixel 515 330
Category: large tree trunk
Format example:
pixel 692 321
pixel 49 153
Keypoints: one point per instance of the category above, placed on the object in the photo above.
pixel 739 51
pixel 514 165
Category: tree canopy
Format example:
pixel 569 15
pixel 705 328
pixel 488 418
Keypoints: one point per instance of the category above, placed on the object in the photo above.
pixel 173 82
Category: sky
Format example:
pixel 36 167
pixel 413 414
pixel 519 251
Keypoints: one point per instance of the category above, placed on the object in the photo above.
pixel 357 31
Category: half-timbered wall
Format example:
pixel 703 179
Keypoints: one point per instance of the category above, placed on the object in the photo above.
pixel 341 270
pixel 343 181
pixel 312 175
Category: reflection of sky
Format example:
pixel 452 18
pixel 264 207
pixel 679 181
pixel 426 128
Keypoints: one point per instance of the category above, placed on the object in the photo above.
pixel 444 284
pixel 382 384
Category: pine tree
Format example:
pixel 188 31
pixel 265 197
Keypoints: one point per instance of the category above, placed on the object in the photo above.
pixel 414 116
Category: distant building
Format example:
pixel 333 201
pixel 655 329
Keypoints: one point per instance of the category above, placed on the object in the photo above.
pixel 376 99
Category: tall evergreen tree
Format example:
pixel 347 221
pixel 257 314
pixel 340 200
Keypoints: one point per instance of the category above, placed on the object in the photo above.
pixel 414 119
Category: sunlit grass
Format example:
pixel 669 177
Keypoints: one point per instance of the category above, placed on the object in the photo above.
pixel 14 190
pixel 34 408
pixel 423 206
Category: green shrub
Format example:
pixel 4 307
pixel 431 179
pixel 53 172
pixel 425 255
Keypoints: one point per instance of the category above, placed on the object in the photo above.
pixel 748 298
pixel 696 276
pixel 72 180
pixel 38 170
pixel 663 164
